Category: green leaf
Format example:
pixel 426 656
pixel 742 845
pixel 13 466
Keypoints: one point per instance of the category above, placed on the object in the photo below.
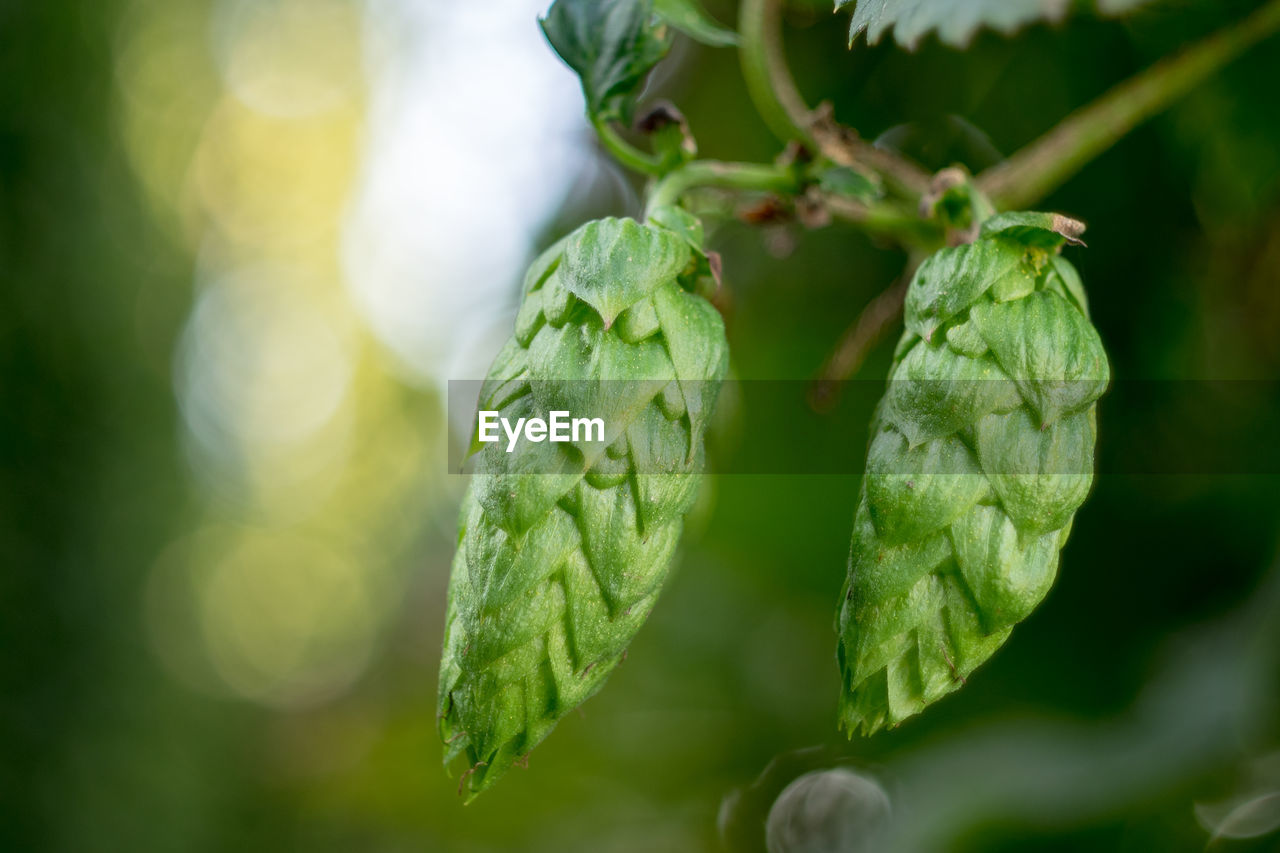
pixel 951 280
pixel 1008 577
pixel 680 221
pixel 882 571
pixel 638 322
pixel 956 21
pixel 913 492
pixel 1049 349
pixel 611 44
pixel 594 373
pixel 1065 280
pixel 611 264
pixel 965 339
pixel 629 561
pixel 1035 230
pixel 688 17
pixel 557 300
pixel 544 472
pixel 935 391
pixel 694 334
pixel 665 480
pixel 543 265
pixel 1041 476
pixel 849 183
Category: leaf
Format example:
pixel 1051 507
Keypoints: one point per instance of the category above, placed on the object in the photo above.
pixel 688 17
pixel 1049 349
pixel 543 266
pixel 544 472
pixel 638 322
pixel 595 374
pixel 882 571
pixel 1066 281
pixel 1035 230
pixel 936 391
pixel 665 479
pixel 611 264
pixel 679 221
pixel 951 280
pixel 1007 576
pixel 623 557
pixel 956 21
pixel 965 339
pixel 1041 476
pixel 913 492
pixel 849 183
pixel 611 44
pixel 694 334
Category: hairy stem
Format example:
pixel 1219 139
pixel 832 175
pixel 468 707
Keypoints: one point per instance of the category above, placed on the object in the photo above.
pixel 764 67
pixel 757 177
pixel 623 151
pixel 1045 164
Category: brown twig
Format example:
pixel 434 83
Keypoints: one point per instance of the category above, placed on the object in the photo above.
pixel 875 321
pixel 843 146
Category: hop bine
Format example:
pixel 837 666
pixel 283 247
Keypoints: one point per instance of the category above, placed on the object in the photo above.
pixel 564 547
pixel 981 452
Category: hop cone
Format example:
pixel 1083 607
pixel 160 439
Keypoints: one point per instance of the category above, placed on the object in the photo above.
pixel 563 548
pixel 981 452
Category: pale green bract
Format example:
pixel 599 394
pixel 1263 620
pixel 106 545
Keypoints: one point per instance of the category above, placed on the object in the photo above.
pixel 981 453
pixel 564 547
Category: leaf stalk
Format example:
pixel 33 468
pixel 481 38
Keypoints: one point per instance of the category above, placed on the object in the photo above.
pixel 623 151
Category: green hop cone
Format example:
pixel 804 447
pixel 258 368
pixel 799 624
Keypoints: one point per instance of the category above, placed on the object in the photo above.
pixel 981 452
pixel 564 547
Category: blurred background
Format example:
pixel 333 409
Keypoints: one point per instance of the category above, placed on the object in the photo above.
pixel 245 244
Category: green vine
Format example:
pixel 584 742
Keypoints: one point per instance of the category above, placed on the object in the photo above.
pixel 623 151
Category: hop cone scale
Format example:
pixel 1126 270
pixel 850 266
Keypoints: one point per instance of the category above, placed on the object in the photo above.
pixel 563 548
pixel 981 452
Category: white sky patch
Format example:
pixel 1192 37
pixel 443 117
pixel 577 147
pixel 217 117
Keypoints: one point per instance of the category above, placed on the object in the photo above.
pixel 475 133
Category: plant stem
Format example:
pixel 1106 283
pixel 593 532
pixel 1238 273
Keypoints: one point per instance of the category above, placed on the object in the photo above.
pixel 764 67
pixel 889 220
pixel 881 218
pixel 757 177
pixel 843 146
pixel 1046 163
pixel 623 151
pixel 779 102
